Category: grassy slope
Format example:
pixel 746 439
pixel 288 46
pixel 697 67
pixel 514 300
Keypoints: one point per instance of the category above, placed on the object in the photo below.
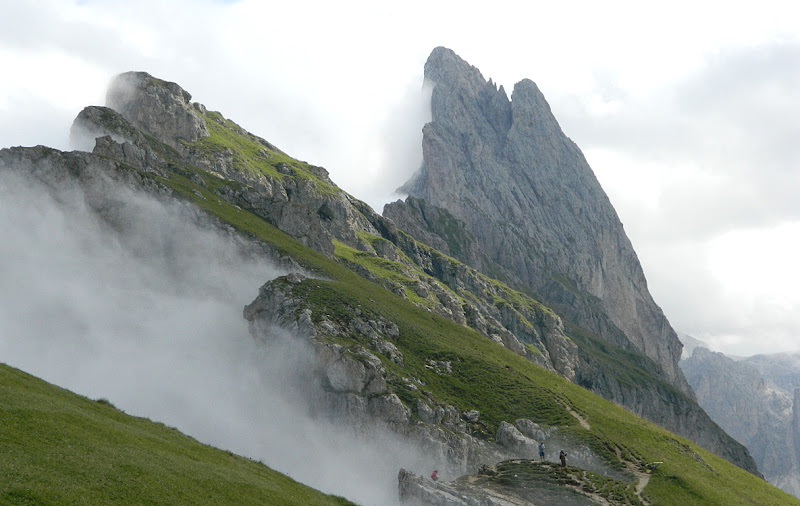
pixel 503 385
pixel 60 448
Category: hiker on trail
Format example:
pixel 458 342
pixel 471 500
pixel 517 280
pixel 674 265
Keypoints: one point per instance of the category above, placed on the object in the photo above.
pixel 435 475
pixel 541 452
pixel 563 457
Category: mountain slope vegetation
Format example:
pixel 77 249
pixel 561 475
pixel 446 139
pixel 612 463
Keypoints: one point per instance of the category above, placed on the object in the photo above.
pixel 57 447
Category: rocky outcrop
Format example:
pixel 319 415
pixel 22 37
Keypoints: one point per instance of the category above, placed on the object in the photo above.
pixel 541 220
pixel 99 178
pixel 353 385
pixel 519 482
pixel 105 132
pixel 419 491
pixel 745 398
pixel 158 108
pixel 299 198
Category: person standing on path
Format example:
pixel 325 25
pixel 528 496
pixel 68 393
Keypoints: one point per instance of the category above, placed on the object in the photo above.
pixel 541 452
pixel 563 457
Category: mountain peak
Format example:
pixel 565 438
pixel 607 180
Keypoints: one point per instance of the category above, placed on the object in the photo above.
pixel 445 66
pixel 541 219
pixel 158 108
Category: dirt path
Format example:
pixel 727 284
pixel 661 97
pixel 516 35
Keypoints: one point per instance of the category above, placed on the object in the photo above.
pixel 642 477
pixel 577 416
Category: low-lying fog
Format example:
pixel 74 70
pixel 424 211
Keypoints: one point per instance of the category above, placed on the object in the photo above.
pixel 148 314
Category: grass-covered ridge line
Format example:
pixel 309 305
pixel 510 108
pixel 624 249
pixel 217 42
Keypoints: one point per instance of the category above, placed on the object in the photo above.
pixel 402 274
pixel 478 364
pixel 406 274
pixel 57 447
pixel 253 154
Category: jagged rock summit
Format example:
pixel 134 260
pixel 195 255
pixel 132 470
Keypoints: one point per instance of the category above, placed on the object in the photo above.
pixel 541 220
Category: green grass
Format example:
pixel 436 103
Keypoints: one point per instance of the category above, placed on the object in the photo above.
pixel 253 154
pixel 378 268
pixel 60 448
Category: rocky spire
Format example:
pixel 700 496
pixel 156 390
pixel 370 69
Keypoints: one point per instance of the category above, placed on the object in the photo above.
pixel 543 222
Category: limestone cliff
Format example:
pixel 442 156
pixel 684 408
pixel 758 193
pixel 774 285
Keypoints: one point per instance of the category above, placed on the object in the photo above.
pixel 541 220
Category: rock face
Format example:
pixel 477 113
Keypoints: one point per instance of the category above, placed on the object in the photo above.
pixel 541 220
pixel 756 400
pixel 351 385
pixel 158 108
pixel 518 482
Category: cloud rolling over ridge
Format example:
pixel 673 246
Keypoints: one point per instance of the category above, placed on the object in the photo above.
pixel 144 308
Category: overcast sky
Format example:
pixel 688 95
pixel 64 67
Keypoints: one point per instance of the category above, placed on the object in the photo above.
pixel 687 111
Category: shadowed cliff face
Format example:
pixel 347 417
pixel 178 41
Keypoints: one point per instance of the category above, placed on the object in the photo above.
pixel 540 218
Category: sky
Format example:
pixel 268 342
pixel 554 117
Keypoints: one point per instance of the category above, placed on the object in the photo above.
pixel 686 111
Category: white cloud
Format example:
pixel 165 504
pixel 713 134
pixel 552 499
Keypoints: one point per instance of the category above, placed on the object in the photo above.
pixel 146 310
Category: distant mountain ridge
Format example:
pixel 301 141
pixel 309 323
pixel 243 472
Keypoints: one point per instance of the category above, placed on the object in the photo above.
pixel 757 401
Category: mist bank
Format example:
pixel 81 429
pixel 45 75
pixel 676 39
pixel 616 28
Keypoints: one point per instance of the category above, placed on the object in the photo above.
pixel 141 304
